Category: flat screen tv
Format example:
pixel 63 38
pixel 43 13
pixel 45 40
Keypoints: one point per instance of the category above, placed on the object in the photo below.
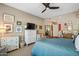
pixel 30 26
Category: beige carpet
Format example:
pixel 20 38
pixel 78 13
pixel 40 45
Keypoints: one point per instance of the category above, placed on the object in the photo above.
pixel 25 51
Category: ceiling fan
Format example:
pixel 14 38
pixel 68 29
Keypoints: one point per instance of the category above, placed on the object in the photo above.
pixel 47 5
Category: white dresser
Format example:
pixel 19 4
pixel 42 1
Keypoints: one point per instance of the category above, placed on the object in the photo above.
pixel 30 36
pixel 10 42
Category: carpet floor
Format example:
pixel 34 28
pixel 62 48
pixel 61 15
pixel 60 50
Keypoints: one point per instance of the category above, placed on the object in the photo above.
pixel 24 51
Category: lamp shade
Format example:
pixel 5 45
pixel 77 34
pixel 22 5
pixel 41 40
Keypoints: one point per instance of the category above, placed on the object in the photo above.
pixel 2 28
pixel 2 31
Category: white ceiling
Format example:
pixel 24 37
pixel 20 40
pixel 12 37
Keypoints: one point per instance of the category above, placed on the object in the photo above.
pixel 36 9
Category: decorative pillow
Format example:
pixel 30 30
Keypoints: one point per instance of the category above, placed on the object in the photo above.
pixel 77 43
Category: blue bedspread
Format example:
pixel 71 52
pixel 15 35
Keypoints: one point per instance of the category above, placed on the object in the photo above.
pixel 54 47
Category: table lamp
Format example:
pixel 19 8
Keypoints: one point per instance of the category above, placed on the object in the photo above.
pixel 2 30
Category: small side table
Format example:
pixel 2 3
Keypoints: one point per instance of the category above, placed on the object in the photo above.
pixel 22 44
pixel 3 51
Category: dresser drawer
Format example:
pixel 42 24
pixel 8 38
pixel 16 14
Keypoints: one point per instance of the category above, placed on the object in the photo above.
pixel 11 43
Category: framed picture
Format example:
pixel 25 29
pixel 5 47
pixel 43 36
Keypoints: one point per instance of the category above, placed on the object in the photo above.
pixel 8 18
pixel 40 27
pixel 18 29
pixel 19 22
pixel 8 27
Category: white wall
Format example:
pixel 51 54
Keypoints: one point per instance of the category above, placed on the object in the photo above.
pixel 20 16
pixel 66 18
pixel 71 17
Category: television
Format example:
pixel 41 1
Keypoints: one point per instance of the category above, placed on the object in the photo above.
pixel 30 26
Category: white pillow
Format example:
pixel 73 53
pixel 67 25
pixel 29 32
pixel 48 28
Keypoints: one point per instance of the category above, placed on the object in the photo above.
pixel 77 43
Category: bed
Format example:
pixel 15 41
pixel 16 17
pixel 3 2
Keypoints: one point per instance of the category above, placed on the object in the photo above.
pixel 54 47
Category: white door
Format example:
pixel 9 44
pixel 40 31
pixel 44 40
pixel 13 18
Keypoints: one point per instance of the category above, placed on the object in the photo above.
pixel 55 30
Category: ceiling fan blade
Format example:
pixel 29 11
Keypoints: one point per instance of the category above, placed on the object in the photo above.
pixel 53 7
pixel 46 4
pixel 44 10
